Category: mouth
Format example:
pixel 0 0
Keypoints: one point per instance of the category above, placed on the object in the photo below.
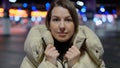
pixel 62 34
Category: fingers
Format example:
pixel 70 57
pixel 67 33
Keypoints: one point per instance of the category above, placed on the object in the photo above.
pixel 51 51
pixel 74 50
pixel 49 47
pixel 51 54
pixel 72 53
pixel 72 56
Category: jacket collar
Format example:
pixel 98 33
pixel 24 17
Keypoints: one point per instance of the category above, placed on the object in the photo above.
pixel 79 38
pixel 78 41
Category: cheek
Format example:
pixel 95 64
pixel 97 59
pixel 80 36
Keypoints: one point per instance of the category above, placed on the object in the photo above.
pixel 71 28
pixel 53 27
pixel 53 30
pixel 71 31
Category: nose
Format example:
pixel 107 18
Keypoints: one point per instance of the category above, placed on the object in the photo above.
pixel 62 26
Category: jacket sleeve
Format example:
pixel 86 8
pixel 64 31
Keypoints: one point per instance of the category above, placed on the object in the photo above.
pixel 34 50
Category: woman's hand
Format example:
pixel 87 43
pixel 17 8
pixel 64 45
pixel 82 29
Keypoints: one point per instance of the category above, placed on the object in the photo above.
pixel 51 54
pixel 72 56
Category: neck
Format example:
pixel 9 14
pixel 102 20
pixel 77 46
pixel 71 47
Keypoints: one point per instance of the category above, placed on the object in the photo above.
pixel 62 47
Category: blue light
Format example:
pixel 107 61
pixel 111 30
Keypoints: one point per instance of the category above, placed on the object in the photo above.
pixel 19 8
pixel 47 5
pixel 25 5
pixel 99 12
pixel 17 18
pixel 84 18
pixel 106 12
pixel 11 18
pixel 95 19
pixel 83 9
pixel 33 19
pixel 101 6
pixel 39 19
pixel 110 18
pixel 34 8
pixel 102 9
pixel 114 11
pixel 104 18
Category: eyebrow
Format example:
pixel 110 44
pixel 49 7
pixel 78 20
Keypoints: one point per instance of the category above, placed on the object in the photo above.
pixel 54 16
pixel 58 16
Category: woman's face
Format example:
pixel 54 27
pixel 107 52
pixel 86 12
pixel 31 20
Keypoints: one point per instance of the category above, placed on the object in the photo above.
pixel 61 24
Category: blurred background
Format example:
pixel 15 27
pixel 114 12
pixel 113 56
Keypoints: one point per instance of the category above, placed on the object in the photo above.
pixel 18 16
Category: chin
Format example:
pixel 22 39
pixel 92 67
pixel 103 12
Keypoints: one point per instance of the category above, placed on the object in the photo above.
pixel 62 40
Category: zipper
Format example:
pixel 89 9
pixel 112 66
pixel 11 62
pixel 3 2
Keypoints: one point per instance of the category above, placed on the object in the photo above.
pixel 62 63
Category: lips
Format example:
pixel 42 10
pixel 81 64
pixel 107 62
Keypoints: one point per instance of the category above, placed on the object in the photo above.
pixel 62 34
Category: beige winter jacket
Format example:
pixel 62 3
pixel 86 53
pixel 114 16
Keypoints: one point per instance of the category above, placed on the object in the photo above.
pixel 85 38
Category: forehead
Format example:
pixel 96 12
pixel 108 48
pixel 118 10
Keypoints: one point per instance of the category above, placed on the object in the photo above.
pixel 60 11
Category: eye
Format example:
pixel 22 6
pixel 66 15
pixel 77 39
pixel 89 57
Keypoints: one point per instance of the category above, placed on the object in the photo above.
pixel 68 19
pixel 55 19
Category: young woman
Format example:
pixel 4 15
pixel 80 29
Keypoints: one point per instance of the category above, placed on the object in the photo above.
pixel 62 42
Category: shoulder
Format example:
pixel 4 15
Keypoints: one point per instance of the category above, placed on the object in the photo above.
pixel 85 28
pixel 88 32
pixel 91 38
pixel 93 44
